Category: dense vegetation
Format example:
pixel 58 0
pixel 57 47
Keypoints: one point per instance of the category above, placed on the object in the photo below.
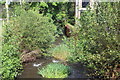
pixel 11 65
pixel 34 29
pixel 27 30
pixel 94 41
pixel 97 43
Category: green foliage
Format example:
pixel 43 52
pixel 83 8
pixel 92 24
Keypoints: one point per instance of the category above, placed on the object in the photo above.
pixel 61 52
pixel 2 2
pixel 10 62
pixel 97 43
pixel 34 29
pixel 11 66
pixel 71 43
pixel 60 12
pixel 54 70
pixel 27 29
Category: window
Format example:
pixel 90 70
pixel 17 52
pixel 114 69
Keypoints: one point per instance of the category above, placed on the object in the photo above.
pixel 85 3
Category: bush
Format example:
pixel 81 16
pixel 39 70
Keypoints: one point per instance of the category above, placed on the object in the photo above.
pixel 54 70
pixel 102 37
pixel 97 43
pixel 25 30
pixel 10 62
pixel 11 65
pixel 61 52
pixel 34 30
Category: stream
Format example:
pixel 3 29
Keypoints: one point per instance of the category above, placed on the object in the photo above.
pixel 30 70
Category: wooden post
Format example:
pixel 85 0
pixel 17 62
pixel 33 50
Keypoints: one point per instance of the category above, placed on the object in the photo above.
pixel 20 2
pixel 92 4
pixel 7 11
pixel 78 6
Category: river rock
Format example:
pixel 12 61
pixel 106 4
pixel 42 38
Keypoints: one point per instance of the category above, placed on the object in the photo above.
pixel 30 56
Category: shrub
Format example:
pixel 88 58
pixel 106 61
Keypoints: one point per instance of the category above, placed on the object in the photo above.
pixel 61 52
pixel 10 66
pixel 10 62
pixel 102 37
pixel 97 43
pixel 54 70
pixel 25 30
pixel 34 30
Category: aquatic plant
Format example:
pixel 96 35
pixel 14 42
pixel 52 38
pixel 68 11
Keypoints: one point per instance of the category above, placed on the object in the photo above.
pixel 61 52
pixel 54 70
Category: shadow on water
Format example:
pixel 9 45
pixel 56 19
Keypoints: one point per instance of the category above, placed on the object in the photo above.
pixel 77 71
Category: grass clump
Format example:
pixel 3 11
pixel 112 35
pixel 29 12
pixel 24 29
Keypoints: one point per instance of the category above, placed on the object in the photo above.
pixel 55 70
pixel 61 52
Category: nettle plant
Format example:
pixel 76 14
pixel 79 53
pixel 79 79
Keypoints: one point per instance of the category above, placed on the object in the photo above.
pixel 97 44
pixel 10 66
pixel 34 30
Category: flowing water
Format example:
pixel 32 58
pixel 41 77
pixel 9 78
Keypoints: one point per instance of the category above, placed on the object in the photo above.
pixel 30 70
